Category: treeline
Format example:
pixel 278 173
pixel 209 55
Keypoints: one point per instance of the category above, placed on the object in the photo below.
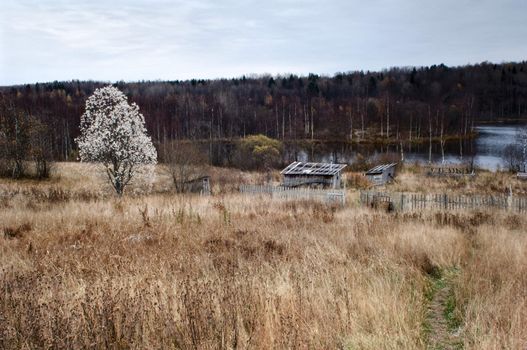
pixel 25 145
pixel 395 105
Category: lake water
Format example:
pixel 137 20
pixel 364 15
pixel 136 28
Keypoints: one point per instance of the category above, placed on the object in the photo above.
pixel 491 143
pixel 486 150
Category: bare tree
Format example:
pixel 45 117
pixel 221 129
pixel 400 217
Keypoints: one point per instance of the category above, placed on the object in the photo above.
pixel 429 136
pixel 41 149
pixel 186 163
pixel 513 156
pixel 23 140
pixel 14 140
pixel 442 140
pixel 521 141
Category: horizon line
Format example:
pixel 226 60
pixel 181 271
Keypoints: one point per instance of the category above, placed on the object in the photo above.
pixel 267 74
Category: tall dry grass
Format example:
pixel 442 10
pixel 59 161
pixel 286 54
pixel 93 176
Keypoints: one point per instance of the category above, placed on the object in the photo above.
pixel 414 179
pixel 175 271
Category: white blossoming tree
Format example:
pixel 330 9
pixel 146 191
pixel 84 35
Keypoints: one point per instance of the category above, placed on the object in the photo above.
pixel 113 133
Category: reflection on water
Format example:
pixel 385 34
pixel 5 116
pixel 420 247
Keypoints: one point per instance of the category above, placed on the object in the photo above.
pixel 486 150
pixel 491 143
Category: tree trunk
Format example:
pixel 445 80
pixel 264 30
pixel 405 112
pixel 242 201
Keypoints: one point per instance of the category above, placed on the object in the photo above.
pixel 351 124
pixel 312 126
pixel 429 136
pixel 388 117
pixel 361 118
pixel 442 140
pixel 283 120
pixel 277 124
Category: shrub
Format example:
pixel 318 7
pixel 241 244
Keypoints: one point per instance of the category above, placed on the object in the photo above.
pixel 258 152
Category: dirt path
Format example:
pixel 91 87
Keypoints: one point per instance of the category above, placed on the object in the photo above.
pixel 442 324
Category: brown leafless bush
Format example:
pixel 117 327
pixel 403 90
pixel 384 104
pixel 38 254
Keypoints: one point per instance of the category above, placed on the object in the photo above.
pixel 186 163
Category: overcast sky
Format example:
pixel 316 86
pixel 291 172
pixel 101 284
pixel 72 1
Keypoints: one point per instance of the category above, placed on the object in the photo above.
pixel 133 40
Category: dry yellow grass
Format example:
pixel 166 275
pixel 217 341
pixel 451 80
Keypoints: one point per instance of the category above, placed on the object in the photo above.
pixel 82 269
pixel 413 179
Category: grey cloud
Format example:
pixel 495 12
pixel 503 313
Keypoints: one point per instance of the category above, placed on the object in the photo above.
pixel 51 39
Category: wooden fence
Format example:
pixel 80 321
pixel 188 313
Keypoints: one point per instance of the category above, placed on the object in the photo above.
pixel 416 201
pixel 288 193
pixel 452 171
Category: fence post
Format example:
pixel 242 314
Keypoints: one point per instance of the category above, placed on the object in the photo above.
pixel 402 202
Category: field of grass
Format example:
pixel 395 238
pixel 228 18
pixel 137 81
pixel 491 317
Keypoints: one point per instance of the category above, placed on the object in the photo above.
pixel 414 179
pixel 80 268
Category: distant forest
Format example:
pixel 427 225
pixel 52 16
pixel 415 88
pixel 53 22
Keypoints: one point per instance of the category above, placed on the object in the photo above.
pixel 392 106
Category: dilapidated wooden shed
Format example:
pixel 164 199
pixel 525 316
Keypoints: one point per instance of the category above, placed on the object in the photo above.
pixel 311 174
pixel 381 174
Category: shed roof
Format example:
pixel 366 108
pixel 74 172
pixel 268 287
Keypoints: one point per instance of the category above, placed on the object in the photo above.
pixel 300 168
pixel 380 168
